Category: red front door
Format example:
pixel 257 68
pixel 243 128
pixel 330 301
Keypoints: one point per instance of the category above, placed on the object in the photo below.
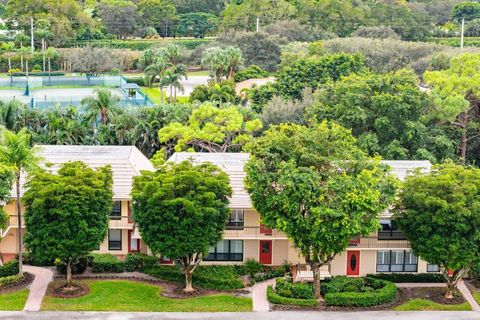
pixel 265 251
pixel 353 263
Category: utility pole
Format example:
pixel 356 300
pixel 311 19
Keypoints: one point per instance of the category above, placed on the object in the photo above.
pixel 31 35
pixel 463 30
pixel 258 24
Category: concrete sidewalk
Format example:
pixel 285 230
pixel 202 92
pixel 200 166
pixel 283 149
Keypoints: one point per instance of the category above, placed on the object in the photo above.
pixel 370 315
pixel 43 276
pixel 259 296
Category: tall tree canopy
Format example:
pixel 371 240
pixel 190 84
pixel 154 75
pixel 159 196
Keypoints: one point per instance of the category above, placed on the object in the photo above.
pixel 211 129
pixel 67 213
pixel 438 212
pixel 457 97
pixel 181 211
pixel 318 187
pixel 386 113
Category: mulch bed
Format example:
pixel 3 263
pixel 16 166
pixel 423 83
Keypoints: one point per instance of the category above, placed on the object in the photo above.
pixel 170 289
pixel 25 282
pixel 57 289
pixel 403 295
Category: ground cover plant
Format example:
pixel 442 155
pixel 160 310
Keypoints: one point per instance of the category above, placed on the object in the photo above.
pixel 109 295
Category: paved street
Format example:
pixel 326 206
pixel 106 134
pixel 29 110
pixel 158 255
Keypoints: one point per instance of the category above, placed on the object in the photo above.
pixel 374 315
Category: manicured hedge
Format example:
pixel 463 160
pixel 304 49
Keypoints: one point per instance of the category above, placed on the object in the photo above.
pixel 275 298
pixel 6 281
pixel 9 269
pixel 106 263
pixel 385 294
pixel 208 277
pixel 138 261
pixel 77 268
pixel 409 277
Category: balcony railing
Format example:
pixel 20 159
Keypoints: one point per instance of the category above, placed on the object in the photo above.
pixel 377 243
pixel 120 222
pixel 391 235
pixel 253 233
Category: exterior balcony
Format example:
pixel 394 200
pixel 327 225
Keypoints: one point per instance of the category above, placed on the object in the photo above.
pixel 376 243
pixel 252 232
pixel 120 222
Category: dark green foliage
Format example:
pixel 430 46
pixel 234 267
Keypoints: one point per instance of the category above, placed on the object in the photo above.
pixel 251 72
pixel 67 213
pixel 409 277
pixel 138 80
pixel 275 298
pixel 384 292
pixel 196 24
pixel 252 267
pixel 78 267
pixel 342 284
pixel 139 261
pixel 106 263
pixel 9 269
pixel 207 277
pixel 259 96
pixel 468 10
pixel 10 280
pixel 287 289
pixel 313 72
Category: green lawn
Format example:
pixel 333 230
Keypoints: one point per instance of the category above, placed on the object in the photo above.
pixel 14 301
pixel 112 295
pixel 476 295
pixel 427 305
pixel 153 93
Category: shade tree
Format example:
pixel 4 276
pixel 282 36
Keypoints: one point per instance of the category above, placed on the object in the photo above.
pixel 181 211
pixel 67 213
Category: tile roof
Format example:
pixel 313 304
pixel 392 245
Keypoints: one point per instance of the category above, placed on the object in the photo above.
pixel 233 163
pixel 126 162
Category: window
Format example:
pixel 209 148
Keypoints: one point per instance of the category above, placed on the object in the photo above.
pixel 226 250
pixel 114 239
pixel 116 213
pixel 432 268
pixel 396 261
pixel 133 244
pixel 390 231
pixel 236 219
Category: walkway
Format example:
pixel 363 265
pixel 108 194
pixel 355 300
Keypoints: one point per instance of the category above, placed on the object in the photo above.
pixel 461 287
pixel 370 315
pixel 43 276
pixel 259 296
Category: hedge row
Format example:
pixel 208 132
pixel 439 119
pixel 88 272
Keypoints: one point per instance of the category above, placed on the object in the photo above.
pixel 275 298
pixel 10 280
pixel 138 261
pixel 409 277
pixel 106 263
pixel 140 45
pixel 379 296
pixel 208 277
pixel 9 269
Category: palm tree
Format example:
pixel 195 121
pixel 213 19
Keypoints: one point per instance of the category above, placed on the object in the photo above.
pixel 21 39
pixel 172 80
pixel 8 53
pixel 234 59
pixel 215 60
pixel 155 71
pixel 50 53
pixel 221 93
pixel 103 104
pixel 17 154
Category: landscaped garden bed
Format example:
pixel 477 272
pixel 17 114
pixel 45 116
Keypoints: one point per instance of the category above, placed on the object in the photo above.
pixel 122 295
pixel 427 299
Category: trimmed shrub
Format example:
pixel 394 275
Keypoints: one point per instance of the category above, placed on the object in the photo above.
pixel 275 298
pixel 9 269
pixel 138 261
pixel 106 263
pixel 285 288
pixel 253 267
pixel 10 280
pixel 138 80
pixel 385 294
pixel 409 277
pixel 251 72
pixel 208 277
pixel 342 284
pixel 77 268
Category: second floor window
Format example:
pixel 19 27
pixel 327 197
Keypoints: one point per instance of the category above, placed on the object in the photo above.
pixel 236 219
pixel 116 213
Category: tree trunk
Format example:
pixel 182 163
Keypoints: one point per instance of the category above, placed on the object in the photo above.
pixel 161 94
pixel 316 280
pixel 69 283
pixel 20 236
pixel 188 281
pixel 174 95
pixel 449 292
pixel 104 117
pixel 21 62
pixel 463 146
pixel 230 74
pixel 43 53
pixel 49 70
pixel 9 63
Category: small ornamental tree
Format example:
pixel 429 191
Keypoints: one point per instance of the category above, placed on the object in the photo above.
pixel 318 187
pixel 439 214
pixel 181 211
pixel 67 213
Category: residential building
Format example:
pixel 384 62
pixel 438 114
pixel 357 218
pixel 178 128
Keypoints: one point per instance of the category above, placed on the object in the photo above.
pixel 126 162
pixel 245 237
